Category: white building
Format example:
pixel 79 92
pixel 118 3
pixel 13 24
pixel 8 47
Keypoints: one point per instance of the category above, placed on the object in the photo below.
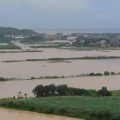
pixel 71 39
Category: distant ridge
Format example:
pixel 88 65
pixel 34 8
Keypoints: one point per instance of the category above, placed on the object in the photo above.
pixel 15 31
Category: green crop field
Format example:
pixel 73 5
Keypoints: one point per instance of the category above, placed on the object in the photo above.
pixel 89 108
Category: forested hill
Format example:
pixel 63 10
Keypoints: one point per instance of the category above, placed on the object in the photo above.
pixel 14 31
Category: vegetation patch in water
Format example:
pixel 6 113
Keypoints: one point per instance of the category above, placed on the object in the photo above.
pixel 64 59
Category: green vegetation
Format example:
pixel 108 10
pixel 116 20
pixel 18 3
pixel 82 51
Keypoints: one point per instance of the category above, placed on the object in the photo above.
pixel 104 92
pixel 48 46
pixel 95 74
pixel 88 108
pixel 9 46
pixel 63 76
pixel 33 39
pixel 48 77
pixel 63 101
pixel 76 58
pixel 64 90
pixel 14 31
pixel 64 59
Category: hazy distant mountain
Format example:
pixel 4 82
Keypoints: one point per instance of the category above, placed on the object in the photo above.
pixel 14 31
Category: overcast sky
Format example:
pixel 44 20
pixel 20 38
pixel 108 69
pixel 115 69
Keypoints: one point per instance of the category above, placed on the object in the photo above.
pixel 77 14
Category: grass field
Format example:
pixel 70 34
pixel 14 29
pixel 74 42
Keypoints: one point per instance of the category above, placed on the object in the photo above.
pixel 9 46
pixel 89 108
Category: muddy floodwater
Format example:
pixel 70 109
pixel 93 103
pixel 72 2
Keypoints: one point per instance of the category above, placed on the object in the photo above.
pixel 66 68
pixel 9 114
pixel 11 88
pixel 52 53
pixel 45 68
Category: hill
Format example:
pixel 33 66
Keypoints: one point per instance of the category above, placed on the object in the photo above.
pixel 14 31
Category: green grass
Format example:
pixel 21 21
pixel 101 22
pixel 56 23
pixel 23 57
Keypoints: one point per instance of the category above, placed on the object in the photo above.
pixel 9 46
pixel 115 92
pixel 89 108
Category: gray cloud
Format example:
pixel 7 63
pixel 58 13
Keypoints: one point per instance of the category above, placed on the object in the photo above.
pixel 60 13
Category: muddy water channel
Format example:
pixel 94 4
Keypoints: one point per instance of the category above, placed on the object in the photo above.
pixel 8 114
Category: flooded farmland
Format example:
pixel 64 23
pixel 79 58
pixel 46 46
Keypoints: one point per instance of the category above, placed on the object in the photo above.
pixel 26 69
pixel 29 69
pixel 53 53
pixel 11 88
pixel 44 68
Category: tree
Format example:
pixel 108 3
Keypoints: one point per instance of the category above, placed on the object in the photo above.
pixel 104 92
pixel 38 91
pixel 106 73
pixel 62 89
pixel 52 89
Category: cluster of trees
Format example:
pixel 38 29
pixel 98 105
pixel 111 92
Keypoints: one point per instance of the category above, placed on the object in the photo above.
pixel 64 90
pixel 2 79
pixel 105 73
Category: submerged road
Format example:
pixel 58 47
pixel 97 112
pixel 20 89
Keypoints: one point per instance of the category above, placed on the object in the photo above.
pixel 22 45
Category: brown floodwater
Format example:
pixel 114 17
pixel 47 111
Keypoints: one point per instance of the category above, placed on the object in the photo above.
pixel 43 68
pixel 74 67
pixel 52 53
pixel 9 114
pixel 11 88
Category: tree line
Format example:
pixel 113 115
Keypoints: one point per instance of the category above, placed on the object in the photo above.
pixel 64 90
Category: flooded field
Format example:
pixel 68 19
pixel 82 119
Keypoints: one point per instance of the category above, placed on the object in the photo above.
pixel 44 68
pixel 11 88
pixel 49 68
pixel 6 114
pixel 53 53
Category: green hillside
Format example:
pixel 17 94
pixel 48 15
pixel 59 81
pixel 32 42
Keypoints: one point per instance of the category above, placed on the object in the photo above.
pixel 14 31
